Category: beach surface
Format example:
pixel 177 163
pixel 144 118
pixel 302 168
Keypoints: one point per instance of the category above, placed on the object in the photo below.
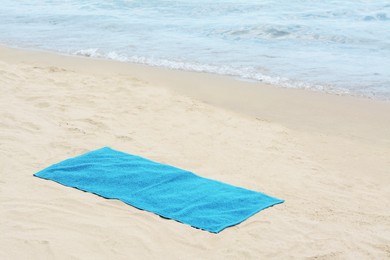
pixel 327 156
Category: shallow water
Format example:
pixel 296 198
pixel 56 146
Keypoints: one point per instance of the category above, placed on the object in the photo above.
pixel 334 46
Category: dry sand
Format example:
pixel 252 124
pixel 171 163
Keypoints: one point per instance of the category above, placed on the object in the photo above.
pixel 327 156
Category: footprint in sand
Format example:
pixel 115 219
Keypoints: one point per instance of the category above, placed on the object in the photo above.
pixel 30 126
pixel 124 138
pixel 42 105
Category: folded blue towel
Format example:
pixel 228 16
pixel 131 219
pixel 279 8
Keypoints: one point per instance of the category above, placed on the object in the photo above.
pixel 165 190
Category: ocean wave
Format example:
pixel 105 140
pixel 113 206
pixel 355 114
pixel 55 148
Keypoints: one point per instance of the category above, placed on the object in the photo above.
pixel 328 45
pixel 301 33
pixel 377 17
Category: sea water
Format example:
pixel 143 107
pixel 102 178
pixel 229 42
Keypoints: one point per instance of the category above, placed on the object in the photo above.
pixel 333 46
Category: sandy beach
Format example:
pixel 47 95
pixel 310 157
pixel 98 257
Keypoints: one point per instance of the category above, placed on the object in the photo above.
pixel 327 156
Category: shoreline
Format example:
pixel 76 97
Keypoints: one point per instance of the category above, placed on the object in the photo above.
pixel 163 68
pixel 327 156
pixel 299 109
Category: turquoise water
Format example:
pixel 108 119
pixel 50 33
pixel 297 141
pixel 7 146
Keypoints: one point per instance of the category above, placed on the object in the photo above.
pixel 333 46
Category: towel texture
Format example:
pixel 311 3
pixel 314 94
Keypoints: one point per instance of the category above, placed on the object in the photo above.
pixel 165 190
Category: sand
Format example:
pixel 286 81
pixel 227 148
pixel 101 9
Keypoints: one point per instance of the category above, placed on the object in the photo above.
pixel 328 156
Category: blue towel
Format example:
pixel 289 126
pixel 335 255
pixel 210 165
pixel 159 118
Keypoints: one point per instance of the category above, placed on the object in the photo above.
pixel 165 190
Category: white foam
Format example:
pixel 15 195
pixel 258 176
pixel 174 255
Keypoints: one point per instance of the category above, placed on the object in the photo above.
pixel 240 73
pixel 90 52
